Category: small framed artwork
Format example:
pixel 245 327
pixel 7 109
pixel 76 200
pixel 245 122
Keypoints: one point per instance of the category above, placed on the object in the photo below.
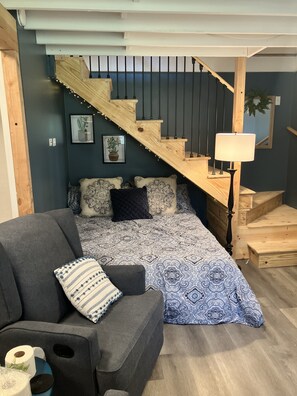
pixel 82 128
pixel 114 149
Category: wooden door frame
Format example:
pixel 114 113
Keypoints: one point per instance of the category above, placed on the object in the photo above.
pixel 15 111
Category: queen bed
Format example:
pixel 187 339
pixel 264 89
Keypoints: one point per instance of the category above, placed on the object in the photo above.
pixel 200 282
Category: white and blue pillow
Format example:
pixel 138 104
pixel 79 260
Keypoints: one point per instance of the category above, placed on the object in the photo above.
pixel 87 287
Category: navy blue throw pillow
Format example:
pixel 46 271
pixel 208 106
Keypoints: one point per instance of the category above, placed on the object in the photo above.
pixel 129 204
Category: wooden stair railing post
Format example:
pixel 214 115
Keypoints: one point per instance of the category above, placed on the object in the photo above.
pixel 237 126
pixel 15 111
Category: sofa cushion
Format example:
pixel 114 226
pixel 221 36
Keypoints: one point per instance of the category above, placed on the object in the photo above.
pixel 123 335
pixel 87 287
pixel 10 303
pixel 35 246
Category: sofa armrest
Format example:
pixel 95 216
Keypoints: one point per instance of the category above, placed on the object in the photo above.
pixel 72 352
pixel 130 279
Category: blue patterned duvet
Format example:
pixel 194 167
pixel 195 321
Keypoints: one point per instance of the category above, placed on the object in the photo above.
pixel 200 282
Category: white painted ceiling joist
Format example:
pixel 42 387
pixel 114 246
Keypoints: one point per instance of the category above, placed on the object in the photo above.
pixel 219 7
pixel 161 39
pixel 113 22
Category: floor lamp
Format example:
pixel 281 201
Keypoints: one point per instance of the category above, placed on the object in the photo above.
pixel 233 147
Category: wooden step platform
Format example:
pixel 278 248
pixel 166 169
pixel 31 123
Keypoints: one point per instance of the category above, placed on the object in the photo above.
pixel 262 203
pixel 283 215
pixel 277 253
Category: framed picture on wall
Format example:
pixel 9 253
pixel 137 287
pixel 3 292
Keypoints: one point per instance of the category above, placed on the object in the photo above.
pixel 82 128
pixel 114 149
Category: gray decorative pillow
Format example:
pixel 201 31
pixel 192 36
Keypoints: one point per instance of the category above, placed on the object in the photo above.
pixel 87 287
pixel 95 196
pixel 161 193
pixel 183 203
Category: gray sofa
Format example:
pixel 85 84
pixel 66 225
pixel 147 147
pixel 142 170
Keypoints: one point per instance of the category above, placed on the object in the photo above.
pixel 87 359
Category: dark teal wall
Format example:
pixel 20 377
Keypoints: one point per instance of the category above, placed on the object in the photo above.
pixel 270 168
pixel 44 109
pixel 85 160
pixel 291 191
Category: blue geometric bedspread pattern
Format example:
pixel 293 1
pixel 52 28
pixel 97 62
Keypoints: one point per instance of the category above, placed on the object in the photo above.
pixel 200 282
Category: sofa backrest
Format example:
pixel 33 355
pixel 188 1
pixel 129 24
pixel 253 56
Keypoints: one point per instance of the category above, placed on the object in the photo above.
pixel 36 245
pixel 10 303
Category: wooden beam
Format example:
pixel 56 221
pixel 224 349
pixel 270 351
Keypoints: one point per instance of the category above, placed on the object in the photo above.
pixel 216 75
pixel 18 132
pixel 292 130
pixel 237 126
pixel 8 31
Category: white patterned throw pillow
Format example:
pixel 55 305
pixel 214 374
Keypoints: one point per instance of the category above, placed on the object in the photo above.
pixel 87 287
pixel 95 195
pixel 161 193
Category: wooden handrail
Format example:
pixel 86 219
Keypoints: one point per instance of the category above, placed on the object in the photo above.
pixel 215 74
pixel 292 130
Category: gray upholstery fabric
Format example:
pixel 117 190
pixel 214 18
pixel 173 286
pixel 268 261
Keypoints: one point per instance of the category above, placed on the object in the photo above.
pixel 113 392
pixel 130 279
pixel 66 222
pixel 10 303
pixel 119 352
pixel 123 334
pixel 36 246
pixel 73 376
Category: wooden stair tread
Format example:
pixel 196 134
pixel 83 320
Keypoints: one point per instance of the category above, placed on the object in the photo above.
pixel 281 216
pixel 276 246
pixel 246 191
pixel 264 196
pixel 125 100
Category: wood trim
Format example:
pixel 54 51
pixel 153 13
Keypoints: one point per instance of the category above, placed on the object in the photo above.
pixel 215 74
pixel 237 126
pixel 18 131
pixel 8 31
pixel 292 130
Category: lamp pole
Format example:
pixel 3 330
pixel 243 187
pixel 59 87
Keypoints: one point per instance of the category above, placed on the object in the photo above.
pixel 230 212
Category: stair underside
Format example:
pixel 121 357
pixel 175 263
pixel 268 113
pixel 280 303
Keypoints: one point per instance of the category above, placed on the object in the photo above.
pixel 72 72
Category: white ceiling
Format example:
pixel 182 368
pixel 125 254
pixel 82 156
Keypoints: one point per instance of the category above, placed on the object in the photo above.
pixel 219 30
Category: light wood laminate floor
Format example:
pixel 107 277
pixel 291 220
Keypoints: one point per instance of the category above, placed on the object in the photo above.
pixel 233 359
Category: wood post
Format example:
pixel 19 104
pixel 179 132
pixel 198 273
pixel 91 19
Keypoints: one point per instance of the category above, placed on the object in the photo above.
pixel 237 126
pixel 15 111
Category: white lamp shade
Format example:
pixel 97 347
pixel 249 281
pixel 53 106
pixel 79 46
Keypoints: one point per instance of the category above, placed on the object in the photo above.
pixel 235 147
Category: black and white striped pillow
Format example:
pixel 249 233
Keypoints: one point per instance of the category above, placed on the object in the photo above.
pixel 87 287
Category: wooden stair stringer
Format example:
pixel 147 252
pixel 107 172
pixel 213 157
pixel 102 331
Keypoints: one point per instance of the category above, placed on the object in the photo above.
pixel 69 73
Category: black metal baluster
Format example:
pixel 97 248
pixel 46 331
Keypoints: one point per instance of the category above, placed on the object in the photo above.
pixel 192 113
pixel 216 125
pixel 90 67
pixel 143 117
pixel 167 135
pixel 99 68
pixel 224 109
pixel 117 66
pixel 176 65
pixel 151 87
pixel 108 75
pixel 199 110
pixel 184 97
pixel 134 94
pixel 159 87
pixel 126 95
pixel 223 119
pixel 207 114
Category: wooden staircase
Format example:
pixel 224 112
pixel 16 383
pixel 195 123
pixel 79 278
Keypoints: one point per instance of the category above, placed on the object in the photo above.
pixel 267 229
pixel 74 74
